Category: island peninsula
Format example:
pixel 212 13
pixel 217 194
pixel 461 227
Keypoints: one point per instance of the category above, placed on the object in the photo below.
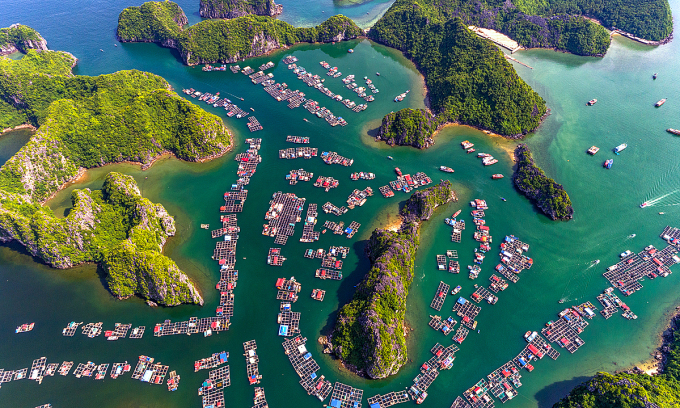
pixel 370 332
pixel 84 122
pixel 224 41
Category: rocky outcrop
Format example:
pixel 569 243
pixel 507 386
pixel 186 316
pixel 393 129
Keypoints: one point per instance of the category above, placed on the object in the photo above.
pixel 21 38
pixel 92 233
pixel 409 127
pixel 370 332
pixel 224 41
pixel 543 191
pixel 238 8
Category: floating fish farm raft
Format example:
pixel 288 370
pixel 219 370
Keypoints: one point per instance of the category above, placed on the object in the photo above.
pixel 252 362
pixel 306 368
pixel 284 212
pixel 440 296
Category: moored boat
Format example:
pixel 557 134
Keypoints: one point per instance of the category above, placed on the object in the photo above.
pixel 497 176
pixel 456 290
pixel 26 327
pixel 661 102
pixel 620 148
pixel 673 131
pixel 654 76
pixel 593 150
pixel 446 169
pixel 398 171
pixel 591 102
pixel 457 213
pixel 608 163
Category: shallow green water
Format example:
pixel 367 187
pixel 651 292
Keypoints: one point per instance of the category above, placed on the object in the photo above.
pixel 606 204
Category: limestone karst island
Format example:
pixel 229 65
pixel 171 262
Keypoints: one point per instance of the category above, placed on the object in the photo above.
pixel 340 203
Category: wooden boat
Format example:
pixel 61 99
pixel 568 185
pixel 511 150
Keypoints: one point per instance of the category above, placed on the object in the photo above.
pixel 497 176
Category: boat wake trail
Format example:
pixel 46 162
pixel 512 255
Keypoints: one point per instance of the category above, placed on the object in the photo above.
pixel 661 200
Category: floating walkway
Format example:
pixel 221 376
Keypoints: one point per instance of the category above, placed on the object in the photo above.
pixel 252 362
pixel 283 214
pixel 308 233
pixel 467 311
pixel 260 400
pixel 306 368
pixel 440 296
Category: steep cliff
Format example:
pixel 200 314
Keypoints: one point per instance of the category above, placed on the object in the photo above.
pixel 543 191
pixel 370 332
pixel 238 8
pixel 224 41
pixel 21 38
pixel 409 127
pixel 86 122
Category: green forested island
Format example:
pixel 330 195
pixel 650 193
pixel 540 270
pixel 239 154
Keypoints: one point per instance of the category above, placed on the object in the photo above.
pixel 632 389
pixel 21 38
pixel 222 40
pixel 370 332
pixel 469 80
pixel 84 122
pixel 238 8
pixel 531 180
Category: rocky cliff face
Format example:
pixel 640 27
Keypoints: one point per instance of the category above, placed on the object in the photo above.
pixel 260 44
pixel 92 233
pixel 22 38
pixel 370 333
pixel 409 127
pixel 238 8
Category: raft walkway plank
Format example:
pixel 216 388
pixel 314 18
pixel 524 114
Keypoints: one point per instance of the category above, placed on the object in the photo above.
pixel 92 330
pixel 545 347
pixel 512 254
pixel 336 228
pixel 359 197
pixel 512 277
pixel 37 369
pixel 308 233
pixel 441 262
pixel 566 332
pixel 452 253
pixel 328 274
pixel 460 335
pixel 331 262
pixel 260 400
pixel 137 332
pixel 330 208
pixel 479 398
pixel 283 214
pixel 51 369
pixel 84 369
pixel 352 229
pixel 101 371
pixel 65 368
pixel 386 191
pixel 71 329
pixel 213 399
pixel 465 309
pixel 252 362
pixel 459 402
pixel 483 294
pixel 292 320
pixel 297 139
pixel 335 158
pixel 215 360
pixel 6 376
pixel 609 308
pixel 306 368
pixel 454 266
pixel 119 368
pixel 440 296
pixel 389 399
pixel 345 396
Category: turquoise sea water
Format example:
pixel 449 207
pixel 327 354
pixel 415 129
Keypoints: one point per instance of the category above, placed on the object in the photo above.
pixel 606 204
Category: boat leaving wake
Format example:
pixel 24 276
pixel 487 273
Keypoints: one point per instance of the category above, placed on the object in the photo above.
pixel 660 200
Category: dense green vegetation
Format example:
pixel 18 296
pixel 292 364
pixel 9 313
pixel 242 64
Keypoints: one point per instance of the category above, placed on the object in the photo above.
pixel 223 40
pixel 409 127
pixel 648 19
pixel 151 22
pixel 86 122
pixel 626 390
pixel 531 180
pixel 20 37
pixel 468 79
pixel 91 121
pixel 238 8
pixel 369 333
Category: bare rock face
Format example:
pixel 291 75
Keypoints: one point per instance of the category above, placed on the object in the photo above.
pixel 238 8
pixel 20 38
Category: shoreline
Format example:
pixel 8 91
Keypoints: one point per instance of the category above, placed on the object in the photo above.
pixel 143 166
pixel 18 127
pixel 656 363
